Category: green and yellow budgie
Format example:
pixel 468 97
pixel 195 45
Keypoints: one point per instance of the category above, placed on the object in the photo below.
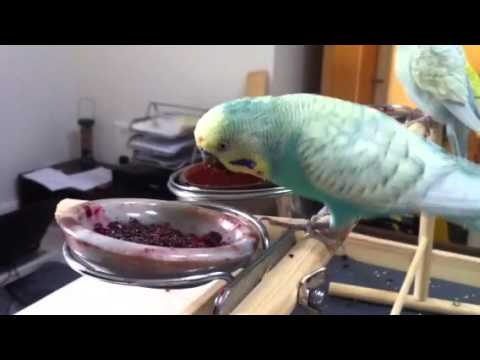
pixel 359 162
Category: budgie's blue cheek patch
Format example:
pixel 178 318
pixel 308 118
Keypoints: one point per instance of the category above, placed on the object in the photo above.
pixel 249 164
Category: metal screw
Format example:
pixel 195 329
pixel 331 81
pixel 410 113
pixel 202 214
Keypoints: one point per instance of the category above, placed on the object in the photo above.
pixel 316 298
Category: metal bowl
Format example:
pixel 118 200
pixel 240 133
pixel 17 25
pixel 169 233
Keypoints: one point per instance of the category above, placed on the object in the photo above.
pixel 245 237
pixel 269 201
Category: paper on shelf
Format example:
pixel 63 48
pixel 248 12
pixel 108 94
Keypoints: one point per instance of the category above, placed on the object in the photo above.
pixel 91 179
pixel 55 180
pixel 50 178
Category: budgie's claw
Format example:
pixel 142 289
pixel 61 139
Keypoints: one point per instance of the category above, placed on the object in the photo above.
pixel 318 227
pixel 323 215
pixel 289 225
pixel 330 240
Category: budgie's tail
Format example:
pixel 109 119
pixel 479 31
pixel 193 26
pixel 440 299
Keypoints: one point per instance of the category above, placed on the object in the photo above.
pixel 459 138
pixel 462 118
pixel 455 195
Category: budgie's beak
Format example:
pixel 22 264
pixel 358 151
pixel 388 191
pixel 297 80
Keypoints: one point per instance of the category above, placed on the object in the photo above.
pixel 207 157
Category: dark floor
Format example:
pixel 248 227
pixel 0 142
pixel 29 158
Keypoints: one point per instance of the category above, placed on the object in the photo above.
pixel 24 292
pixel 348 271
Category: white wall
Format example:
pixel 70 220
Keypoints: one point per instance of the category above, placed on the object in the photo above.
pixel 124 78
pixel 37 111
pixel 288 74
pixel 41 85
pixel 296 69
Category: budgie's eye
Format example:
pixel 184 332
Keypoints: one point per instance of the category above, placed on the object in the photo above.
pixel 223 146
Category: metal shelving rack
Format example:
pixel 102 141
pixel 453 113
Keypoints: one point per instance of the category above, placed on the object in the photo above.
pixel 157 110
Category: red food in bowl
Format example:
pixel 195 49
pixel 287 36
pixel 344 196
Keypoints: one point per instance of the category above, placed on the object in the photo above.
pixel 82 224
pixel 209 175
pixel 158 235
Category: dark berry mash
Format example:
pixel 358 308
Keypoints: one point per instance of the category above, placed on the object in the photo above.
pixel 215 175
pixel 158 235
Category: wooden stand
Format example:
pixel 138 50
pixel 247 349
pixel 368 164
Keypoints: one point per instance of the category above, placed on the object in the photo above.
pixel 277 292
pixel 425 259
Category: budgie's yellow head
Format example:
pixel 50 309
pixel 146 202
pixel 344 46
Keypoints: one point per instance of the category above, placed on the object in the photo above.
pixel 227 133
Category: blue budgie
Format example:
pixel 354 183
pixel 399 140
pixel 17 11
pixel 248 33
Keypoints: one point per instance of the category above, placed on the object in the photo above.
pixel 436 79
pixel 359 162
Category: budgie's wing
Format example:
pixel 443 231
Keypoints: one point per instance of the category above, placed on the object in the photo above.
pixel 441 72
pixel 365 158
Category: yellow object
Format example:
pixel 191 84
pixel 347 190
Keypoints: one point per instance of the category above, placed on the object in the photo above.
pixel 441 231
pixel 473 55
pixel 257 83
pixel 474 81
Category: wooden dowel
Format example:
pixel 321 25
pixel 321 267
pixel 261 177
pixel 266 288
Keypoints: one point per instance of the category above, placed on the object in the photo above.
pixel 448 266
pixel 422 278
pixel 427 232
pixel 407 284
pixel 435 306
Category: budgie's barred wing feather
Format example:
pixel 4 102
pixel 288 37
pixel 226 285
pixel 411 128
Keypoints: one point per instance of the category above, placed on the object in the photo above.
pixel 441 72
pixel 371 161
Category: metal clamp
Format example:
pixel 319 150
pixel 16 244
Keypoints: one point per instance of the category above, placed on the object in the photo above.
pixel 232 294
pixel 311 291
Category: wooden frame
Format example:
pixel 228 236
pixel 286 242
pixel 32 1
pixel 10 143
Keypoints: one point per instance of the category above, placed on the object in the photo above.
pixel 276 294
pixel 349 72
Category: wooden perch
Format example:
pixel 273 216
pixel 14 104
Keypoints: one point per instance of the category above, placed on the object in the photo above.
pixel 407 284
pixel 422 279
pixel 435 306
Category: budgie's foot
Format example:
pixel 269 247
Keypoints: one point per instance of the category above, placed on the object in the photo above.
pixel 330 240
pixel 318 227
pixel 422 126
pixel 321 215
pixel 333 239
